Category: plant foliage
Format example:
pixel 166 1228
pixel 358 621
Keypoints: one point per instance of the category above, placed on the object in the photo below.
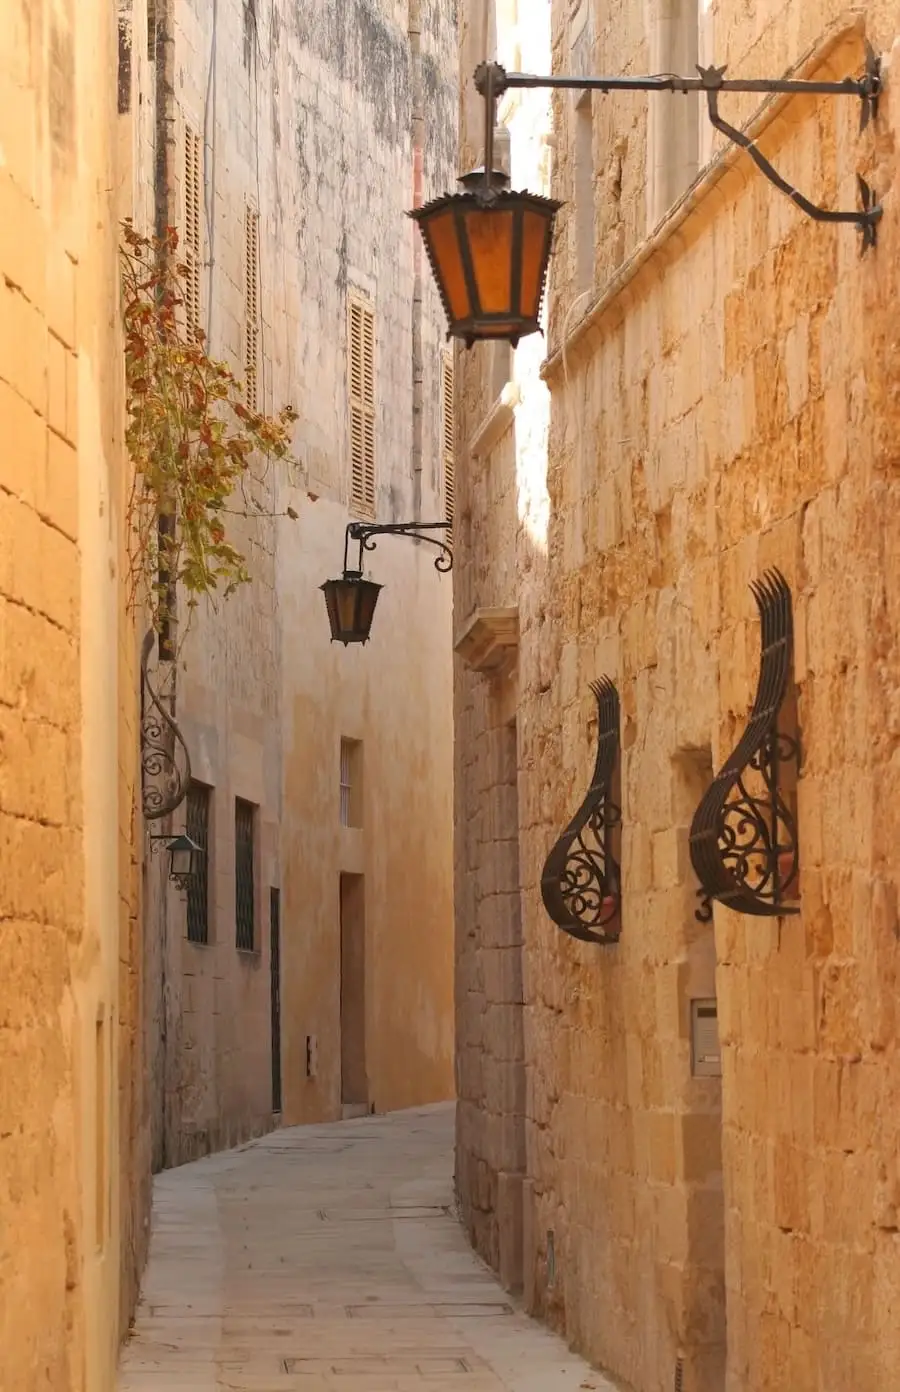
pixel 192 439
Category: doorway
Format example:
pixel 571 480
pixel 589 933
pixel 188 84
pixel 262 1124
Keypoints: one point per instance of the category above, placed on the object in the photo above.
pixel 354 1076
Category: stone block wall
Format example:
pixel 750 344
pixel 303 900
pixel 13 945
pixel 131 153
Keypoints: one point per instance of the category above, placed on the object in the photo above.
pixel 724 406
pixel 69 1134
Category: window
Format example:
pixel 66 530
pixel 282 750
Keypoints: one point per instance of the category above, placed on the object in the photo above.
pixel 673 130
pixel 190 242
pixel 251 307
pixel 351 783
pixel 448 456
pixel 249 31
pixel 197 828
pixel 361 367
pixel 584 194
pixel 244 894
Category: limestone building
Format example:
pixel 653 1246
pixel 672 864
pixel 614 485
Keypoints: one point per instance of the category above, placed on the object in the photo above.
pixel 74 1158
pixel 683 1143
pixel 311 970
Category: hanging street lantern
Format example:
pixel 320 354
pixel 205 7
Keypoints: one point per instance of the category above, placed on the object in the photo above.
pixel 490 248
pixel 351 600
pixel 184 858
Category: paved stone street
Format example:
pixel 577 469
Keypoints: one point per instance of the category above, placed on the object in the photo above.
pixel 328 1258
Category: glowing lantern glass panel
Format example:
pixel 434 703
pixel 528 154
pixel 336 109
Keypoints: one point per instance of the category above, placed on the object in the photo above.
pixel 489 258
pixel 350 602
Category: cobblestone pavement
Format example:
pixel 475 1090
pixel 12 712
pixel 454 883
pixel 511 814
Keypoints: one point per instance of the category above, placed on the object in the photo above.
pixel 327 1257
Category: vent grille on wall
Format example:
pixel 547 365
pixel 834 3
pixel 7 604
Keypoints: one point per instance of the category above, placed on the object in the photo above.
pixel 251 307
pixel 361 366
pixel 193 173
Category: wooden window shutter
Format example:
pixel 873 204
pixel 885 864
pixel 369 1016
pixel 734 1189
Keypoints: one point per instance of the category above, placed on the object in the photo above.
pixel 361 372
pixel 448 451
pixel 251 308
pixel 190 247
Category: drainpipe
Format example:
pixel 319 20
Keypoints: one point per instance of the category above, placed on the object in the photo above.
pixel 414 35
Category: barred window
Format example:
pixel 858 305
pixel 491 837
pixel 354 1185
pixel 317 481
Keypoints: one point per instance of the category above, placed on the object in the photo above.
pixel 197 828
pixel 244 892
pixel 346 786
pixel 361 371
pixel 190 241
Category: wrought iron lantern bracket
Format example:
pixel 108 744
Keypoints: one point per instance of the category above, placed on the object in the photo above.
pixel 364 534
pixel 581 880
pixel 743 839
pixel 351 600
pixel 492 80
pixel 165 760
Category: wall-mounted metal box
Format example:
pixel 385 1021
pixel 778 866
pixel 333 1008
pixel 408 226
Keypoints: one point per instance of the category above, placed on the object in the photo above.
pixel 706 1056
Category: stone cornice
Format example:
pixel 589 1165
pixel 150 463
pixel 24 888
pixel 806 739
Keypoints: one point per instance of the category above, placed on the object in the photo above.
pixel 490 640
pixel 496 423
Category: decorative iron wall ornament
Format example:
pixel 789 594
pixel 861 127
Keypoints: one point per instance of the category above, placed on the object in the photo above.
pixel 581 884
pixel 165 761
pixel 743 838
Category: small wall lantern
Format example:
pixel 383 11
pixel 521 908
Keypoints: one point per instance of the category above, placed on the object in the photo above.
pixel 184 858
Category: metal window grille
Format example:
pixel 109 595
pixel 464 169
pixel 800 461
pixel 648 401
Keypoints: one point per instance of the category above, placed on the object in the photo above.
pixel 251 307
pixel 275 966
pixel 190 244
pixel 346 780
pixel 197 828
pixel 249 31
pixel 244 896
pixel 361 371
pixel 448 449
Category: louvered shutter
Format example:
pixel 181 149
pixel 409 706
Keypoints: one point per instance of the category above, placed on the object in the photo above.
pixel 361 372
pixel 193 172
pixel 448 449
pixel 251 307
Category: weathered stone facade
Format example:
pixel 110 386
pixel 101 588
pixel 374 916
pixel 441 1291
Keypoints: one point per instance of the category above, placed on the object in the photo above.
pixel 309 119
pixel 722 400
pixel 74 1192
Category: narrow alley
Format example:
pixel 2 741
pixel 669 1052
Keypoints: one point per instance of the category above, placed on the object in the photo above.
pixel 329 1257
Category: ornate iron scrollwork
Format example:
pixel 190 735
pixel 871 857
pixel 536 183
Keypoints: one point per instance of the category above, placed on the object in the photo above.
pixel 581 884
pixel 164 776
pixel 743 839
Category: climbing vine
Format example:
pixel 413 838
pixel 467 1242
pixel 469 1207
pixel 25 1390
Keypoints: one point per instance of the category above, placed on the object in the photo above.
pixel 194 443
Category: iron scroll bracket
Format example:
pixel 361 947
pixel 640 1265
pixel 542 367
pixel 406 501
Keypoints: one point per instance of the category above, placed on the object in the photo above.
pixel 866 217
pixel 581 884
pixel 743 839
pixel 165 760
pixel 364 534
pixel 492 81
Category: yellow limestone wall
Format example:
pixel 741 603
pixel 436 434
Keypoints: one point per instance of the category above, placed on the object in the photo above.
pixel 66 707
